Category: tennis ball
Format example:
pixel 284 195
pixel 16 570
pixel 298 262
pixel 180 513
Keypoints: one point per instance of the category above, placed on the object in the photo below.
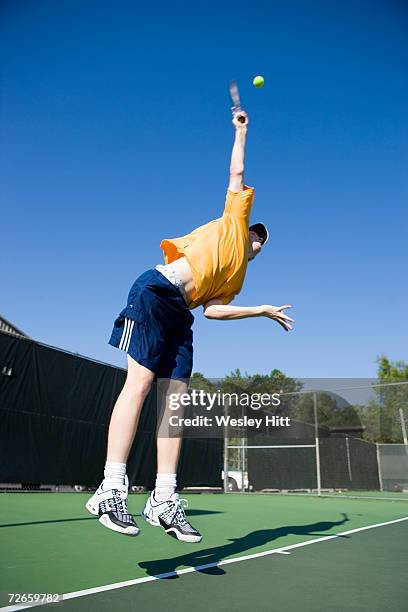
pixel 258 81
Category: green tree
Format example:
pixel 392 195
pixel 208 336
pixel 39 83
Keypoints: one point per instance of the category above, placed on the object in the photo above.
pixel 391 397
pixel 381 415
pixel 392 371
pixel 275 382
pixel 201 383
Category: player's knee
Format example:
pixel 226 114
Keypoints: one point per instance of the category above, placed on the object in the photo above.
pixel 140 388
pixel 138 381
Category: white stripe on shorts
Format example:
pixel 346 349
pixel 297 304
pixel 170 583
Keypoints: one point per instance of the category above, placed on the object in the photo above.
pixel 124 333
pixel 127 343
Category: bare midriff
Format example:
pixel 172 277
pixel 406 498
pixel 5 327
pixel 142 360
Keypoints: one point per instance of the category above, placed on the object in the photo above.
pixel 183 272
pixel 179 273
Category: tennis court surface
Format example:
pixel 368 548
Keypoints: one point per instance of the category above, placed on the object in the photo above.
pixel 259 551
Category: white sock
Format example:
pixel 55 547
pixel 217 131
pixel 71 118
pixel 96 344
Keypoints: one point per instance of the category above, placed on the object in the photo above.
pixel 165 486
pixel 114 474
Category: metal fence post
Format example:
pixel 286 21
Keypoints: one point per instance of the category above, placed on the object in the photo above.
pixel 349 459
pixel 243 440
pixel 226 443
pixel 379 466
pixel 318 475
pixel 404 429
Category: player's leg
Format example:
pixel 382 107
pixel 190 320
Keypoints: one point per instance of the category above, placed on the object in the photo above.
pixel 109 501
pixel 126 412
pixel 169 438
pixel 164 508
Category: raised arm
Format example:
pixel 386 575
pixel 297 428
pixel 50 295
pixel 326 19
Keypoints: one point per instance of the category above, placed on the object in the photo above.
pixel 238 153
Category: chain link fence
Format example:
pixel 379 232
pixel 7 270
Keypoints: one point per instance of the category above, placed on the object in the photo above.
pixel 344 438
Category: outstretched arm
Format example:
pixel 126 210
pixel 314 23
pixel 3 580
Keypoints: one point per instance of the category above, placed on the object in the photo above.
pixel 238 153
pixel 215 310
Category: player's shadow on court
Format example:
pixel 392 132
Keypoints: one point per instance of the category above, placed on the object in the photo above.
pixel 206 561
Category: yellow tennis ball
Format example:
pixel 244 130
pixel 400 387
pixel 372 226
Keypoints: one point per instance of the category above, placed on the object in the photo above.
pixel 258 81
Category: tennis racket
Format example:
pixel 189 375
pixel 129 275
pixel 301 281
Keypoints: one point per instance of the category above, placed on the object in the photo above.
pixel 236 102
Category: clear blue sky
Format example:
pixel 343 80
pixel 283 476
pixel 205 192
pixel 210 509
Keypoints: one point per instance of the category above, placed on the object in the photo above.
pixel 116 133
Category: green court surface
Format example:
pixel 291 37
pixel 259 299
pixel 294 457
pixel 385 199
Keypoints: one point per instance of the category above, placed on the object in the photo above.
pixel 317 554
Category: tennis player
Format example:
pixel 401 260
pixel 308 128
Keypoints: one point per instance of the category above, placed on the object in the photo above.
pixel 204 268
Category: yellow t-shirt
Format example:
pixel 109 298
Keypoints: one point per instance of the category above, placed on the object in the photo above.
pixel 217 252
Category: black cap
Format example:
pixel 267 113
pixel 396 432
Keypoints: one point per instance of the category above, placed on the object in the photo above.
pixel 261 230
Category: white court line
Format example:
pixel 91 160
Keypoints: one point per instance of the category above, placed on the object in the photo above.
pixel 189 570
pixel 283 552
pixel 400 499
pixel 317 496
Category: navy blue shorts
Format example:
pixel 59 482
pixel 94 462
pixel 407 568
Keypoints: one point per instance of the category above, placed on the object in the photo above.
pixel 155 327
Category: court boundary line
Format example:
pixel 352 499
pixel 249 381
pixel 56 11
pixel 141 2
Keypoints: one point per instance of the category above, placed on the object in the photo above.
pixel 317 496
pixel 189 570
pixel 365 497
pixel 343 496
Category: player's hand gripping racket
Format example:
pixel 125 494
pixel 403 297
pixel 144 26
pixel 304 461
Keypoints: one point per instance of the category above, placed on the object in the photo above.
pixel 236 102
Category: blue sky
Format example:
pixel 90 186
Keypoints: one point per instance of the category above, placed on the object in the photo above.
pixel 116 133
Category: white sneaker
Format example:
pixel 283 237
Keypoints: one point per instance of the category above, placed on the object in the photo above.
pixel 170 515
pixel 92 505
pixel 111 507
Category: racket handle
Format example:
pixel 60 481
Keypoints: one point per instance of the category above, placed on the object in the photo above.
pixel 235 111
